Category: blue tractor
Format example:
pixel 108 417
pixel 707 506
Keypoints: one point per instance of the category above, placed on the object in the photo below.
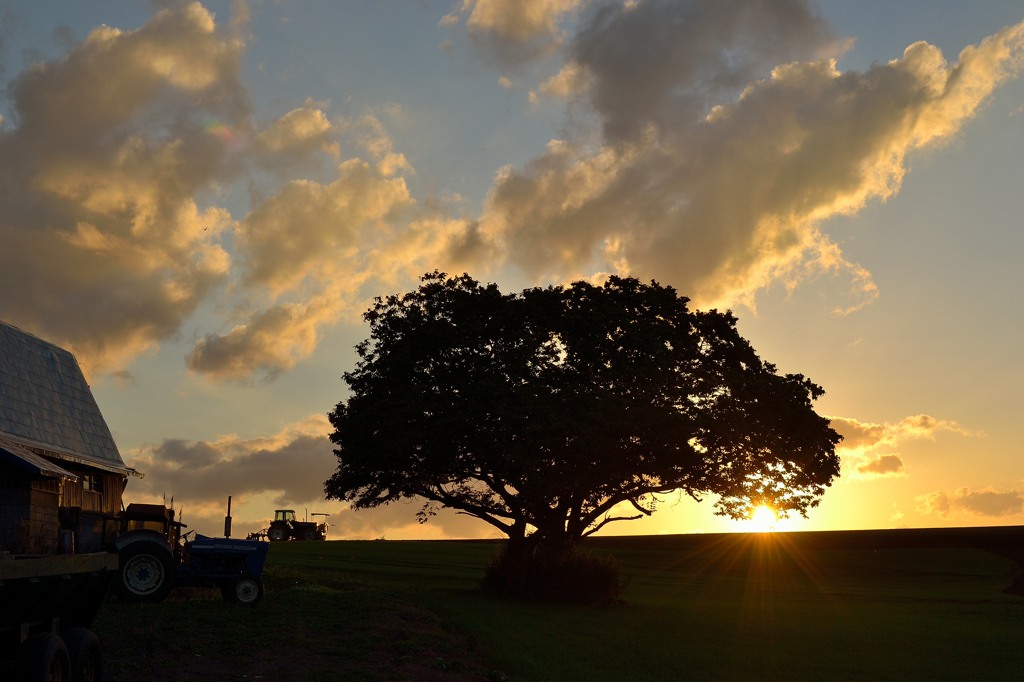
pixel 154 558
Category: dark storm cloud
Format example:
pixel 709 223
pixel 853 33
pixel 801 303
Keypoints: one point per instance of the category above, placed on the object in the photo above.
pixel 291 466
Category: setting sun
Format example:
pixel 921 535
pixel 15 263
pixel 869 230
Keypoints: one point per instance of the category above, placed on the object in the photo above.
pixel 763 519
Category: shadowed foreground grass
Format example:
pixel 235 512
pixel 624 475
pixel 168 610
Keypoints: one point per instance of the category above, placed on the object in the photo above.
pixel 724 607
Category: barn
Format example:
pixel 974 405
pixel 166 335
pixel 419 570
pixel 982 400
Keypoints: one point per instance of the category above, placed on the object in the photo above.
pixel 61 475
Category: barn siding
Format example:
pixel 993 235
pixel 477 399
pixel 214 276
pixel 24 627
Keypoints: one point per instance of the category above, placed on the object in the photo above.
pixel 28 521
pixel 14 504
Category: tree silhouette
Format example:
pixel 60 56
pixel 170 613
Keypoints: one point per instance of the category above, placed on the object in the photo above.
pixel 549 412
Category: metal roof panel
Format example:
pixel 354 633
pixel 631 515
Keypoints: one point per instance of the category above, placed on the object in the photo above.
pixel 44 398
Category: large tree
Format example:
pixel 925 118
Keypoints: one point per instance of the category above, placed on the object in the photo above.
pixel 546 413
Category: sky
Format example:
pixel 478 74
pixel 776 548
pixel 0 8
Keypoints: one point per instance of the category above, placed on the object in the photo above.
pixel 201 199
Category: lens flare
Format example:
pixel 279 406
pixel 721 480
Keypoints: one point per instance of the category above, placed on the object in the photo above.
pixel 763 519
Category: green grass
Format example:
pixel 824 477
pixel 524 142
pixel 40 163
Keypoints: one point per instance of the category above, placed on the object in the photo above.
pixel 749 607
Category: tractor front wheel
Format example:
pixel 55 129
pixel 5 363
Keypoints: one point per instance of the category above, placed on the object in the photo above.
pixel 146 573
pixel 247 590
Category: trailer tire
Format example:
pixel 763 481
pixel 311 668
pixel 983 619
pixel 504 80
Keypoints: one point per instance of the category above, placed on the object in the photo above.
pixel 247 591
pixel 146 572
pixel 44 658
pixel 277 533
pixel 84 651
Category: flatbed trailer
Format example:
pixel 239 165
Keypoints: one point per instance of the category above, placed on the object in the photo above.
pixel 47 605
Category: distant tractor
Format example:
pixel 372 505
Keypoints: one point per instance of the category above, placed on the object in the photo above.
pixel 285 527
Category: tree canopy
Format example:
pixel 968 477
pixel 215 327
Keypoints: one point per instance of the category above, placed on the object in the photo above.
pixel 546 413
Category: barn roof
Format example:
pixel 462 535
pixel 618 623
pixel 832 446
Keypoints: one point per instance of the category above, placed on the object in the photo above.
pixel 26 460
pixel 46 404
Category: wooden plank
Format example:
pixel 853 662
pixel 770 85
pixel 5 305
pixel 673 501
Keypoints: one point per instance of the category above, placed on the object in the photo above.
pixel 55 565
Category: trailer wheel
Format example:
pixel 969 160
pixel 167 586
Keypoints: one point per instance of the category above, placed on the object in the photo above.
pixel 277 533
pixel 44 658
pixel 146 573
pixel 84 652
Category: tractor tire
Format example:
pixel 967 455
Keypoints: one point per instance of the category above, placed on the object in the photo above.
pixel 309 535
pixel 84 652
pixel 146 573
pixel 247 590
pixel 44 658
pixel 277 533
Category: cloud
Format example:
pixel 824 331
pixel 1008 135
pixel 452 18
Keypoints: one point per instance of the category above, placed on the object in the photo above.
pixel 114 166
pixel 862 442
pixel 291 465
pixel 514 31
pixel 280 471
pixel 660 63
pixel 297 133
pixel 271 341
pixel 315 231
pixel 705 143
pixel 397 521
pixel 883 465
pixel 571 81
pixel 726 139
pixel 303 253
pixel 863 436
pixel 988 502
pixel 308 249
pixel 101 162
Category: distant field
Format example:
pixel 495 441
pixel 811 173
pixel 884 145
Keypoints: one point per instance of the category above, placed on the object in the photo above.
pixel 783 606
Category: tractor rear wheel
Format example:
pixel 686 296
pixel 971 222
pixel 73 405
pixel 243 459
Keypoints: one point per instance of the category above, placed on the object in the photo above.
pixel 277 533
pixel 146 573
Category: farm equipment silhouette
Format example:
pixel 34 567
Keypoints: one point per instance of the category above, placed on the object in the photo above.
pixel 47 605
pixel 154 558
pixel 286 527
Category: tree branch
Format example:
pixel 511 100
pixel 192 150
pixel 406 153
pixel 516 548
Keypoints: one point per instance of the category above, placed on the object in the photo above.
pixel 645 512
pixel 610 519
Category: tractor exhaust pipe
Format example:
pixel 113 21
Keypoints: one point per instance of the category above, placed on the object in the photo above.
pixel 227 520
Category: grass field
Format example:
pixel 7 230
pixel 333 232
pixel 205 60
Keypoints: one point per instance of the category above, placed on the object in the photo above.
pixel 695 607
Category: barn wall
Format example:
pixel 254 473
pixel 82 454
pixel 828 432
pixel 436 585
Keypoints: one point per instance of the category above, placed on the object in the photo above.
pixel 34 510
pixel 89 507
pixel 42 530
pixel 113 489
pixel 14 506
pixel 28 520
pixel 100 493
